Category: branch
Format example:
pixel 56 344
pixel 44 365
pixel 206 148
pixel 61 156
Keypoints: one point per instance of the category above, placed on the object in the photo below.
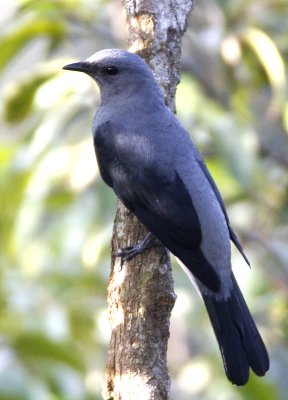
pixel 140 293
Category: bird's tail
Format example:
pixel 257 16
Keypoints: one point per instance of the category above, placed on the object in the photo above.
pixel 239 340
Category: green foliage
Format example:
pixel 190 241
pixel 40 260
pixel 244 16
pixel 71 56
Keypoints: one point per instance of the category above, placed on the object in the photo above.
pixel 33 26
pixel 19 102
pixel 38 350
pixel 56 214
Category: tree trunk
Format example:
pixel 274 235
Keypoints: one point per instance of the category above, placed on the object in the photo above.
pixel 140 292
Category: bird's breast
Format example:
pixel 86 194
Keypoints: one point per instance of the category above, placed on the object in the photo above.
pixel 121 152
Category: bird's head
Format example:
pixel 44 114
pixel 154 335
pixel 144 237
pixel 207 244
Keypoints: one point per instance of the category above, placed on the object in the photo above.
pixel 116 71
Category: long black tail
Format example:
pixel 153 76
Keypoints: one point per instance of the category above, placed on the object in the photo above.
pixel 239 340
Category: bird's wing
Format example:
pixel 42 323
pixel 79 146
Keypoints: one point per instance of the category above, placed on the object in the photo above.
pixel 167 210
pixel 162 203
pixel 233 235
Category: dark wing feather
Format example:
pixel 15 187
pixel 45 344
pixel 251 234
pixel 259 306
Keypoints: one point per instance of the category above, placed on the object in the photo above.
pixel 168 212
pixel 167 205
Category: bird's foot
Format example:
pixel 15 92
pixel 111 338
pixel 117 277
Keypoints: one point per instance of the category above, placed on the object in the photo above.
pixel 129 252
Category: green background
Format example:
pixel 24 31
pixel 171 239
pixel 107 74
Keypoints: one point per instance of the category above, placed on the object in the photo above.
pixel 56 214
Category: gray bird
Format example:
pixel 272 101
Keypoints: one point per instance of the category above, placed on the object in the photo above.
pixel 149 160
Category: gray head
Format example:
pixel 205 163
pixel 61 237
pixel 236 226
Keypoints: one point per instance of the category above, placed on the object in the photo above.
pixel 117 71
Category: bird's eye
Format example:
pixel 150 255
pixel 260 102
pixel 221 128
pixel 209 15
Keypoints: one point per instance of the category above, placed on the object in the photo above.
pixel 111 70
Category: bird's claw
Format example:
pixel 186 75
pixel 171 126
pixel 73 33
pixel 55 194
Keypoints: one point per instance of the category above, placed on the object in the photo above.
pixel 129 252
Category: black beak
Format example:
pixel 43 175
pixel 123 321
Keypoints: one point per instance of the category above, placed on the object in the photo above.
pixel 80 66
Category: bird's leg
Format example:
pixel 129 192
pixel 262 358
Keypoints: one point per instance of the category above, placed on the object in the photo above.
pixel 129 252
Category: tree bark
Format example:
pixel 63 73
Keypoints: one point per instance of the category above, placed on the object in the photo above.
pixel 140 292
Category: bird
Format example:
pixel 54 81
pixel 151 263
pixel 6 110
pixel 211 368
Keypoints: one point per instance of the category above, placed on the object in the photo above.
pixel 150 161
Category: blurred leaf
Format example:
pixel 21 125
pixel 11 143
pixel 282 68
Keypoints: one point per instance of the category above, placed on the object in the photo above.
pixel 39 349
pixel 12 187
pixel 14 41
pixel 224 179
pixel 19 100
pixel 270 58
pixel 87 282
pixel 239 158
pixel 256 389
pixel 58 198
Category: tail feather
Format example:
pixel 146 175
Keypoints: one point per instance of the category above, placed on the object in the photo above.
pixel 240 343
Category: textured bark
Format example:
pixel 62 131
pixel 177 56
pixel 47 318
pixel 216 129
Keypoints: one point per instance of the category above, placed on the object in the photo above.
pixel 140 292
